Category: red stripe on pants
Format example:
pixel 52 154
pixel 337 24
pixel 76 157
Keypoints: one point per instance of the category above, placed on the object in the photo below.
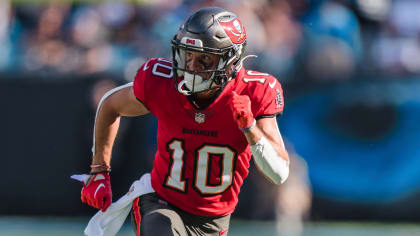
pixel 136 211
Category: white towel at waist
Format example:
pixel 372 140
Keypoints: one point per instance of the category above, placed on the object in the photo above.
pixel 108 223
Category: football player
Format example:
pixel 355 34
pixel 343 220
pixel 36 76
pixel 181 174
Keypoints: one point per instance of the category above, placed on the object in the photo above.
pixel 214 116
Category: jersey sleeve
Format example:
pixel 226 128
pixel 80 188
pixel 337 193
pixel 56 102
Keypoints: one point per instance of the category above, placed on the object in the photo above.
pixel 267 99
pixel 153 78
pixel 140 84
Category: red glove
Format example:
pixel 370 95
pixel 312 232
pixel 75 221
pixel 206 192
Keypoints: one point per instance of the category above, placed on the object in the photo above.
pixel 97 192
pixel 240 105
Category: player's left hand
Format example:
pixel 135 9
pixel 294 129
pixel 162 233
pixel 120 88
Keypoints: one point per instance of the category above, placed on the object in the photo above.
pixel 240 105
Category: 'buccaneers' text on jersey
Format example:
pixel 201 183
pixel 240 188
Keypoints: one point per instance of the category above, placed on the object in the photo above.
pixel 202 157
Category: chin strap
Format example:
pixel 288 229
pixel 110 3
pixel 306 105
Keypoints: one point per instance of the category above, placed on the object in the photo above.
pixel 239 66
pixel 242 61
pixel 181 90
pixel 185 81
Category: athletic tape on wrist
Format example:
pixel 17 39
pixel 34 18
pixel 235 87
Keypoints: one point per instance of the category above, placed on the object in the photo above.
pixel 269 162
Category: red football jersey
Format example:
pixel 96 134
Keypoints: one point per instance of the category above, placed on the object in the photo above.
pixel 202 157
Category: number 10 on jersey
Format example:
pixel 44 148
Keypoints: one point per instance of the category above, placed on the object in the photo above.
pixel 175 178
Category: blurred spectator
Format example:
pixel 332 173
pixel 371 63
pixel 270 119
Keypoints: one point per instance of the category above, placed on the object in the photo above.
pixel 283 34
pixel 87 27
pixel 322 39
pixel 333 46
pixel 397 47
pixel 5 40
pixel 44 48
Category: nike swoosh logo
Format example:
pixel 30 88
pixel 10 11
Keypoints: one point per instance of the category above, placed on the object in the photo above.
pixel 97 189
pixel 272 84
pixel 251 72
pixel 99 177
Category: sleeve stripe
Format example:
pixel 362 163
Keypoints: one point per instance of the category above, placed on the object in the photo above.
pixel 269 115
pixel 107 94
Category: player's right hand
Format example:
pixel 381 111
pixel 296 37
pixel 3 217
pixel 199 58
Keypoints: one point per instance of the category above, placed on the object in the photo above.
pixel 97 192
pixel 240 105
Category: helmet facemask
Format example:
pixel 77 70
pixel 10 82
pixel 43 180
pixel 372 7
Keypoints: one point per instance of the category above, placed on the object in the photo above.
pixel 190 81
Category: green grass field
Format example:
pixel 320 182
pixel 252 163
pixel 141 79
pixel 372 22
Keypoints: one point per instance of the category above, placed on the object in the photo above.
pixel 65 226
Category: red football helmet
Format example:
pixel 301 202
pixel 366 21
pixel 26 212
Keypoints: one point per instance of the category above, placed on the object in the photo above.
pixel 210 30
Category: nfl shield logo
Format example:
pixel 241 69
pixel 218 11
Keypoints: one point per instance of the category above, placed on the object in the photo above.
pixel 199 117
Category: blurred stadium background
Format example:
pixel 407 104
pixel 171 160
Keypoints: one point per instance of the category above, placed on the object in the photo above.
pixel 350 72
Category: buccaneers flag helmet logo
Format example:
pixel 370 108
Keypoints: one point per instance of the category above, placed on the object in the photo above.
pixel 234 29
